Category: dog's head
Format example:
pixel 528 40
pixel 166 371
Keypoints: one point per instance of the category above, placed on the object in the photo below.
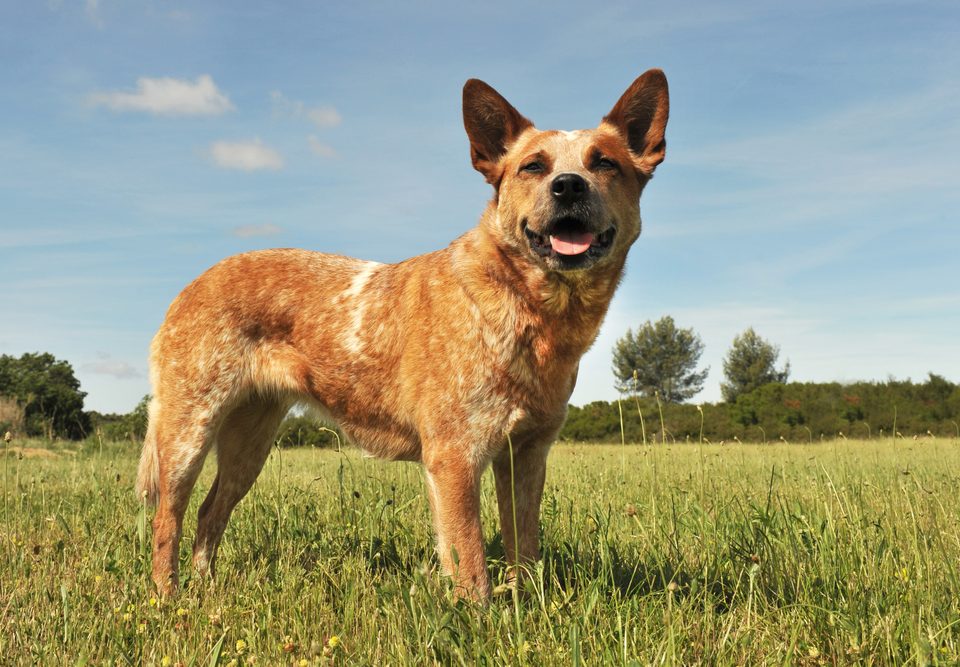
pixel 568 200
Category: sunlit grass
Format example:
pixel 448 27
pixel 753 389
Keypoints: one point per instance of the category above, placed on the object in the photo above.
pixel 842 552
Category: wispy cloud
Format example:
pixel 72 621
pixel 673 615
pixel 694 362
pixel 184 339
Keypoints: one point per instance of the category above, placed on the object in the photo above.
pixel 247 231
pixel 317 147
pixel 245 155
pixel 168 97
pixel 114 368
pixel 323 116
pixel 834 168
pixel 859 150
pixel 92 9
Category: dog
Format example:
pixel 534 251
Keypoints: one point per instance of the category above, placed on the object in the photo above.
pixel 456 359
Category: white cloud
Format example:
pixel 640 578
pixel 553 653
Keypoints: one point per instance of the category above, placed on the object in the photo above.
pixel 118 369
pixel 247 231
pixel 168 97
pixel 320 148
pixel 245 155
pixel 324 116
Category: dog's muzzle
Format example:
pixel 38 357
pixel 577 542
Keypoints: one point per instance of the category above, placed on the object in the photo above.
pixel 569 242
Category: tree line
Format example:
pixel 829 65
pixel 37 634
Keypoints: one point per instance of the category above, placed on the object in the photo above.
pixel 793 412
pixel 656 371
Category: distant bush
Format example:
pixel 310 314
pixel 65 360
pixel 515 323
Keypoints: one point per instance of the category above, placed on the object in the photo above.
pixel 47 393
pixel 131 426
pixel 295 431
pixel 796 412
pixel 306 431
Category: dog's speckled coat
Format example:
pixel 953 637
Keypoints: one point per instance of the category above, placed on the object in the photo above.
pixel 436 359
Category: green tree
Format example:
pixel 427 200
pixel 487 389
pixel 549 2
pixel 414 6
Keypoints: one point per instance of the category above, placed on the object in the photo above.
pixel 935 394
pixel 131 426
pixel 307 431
pixel 659 359
pixel 49 393
pixel 751 363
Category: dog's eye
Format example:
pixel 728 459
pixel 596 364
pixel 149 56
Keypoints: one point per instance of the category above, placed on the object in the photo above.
pixel 534 167
pixel 606 163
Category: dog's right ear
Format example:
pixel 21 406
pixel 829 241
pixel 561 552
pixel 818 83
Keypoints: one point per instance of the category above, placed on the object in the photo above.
pixel 492 124
pixel 640 116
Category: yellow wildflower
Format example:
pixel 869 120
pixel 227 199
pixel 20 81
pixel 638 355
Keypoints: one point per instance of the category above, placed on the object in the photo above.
pixel 241 646
pixel 165 661
pixel 181 612
pixel 333 642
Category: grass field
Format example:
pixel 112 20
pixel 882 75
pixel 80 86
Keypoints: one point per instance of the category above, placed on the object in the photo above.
pixel 843 552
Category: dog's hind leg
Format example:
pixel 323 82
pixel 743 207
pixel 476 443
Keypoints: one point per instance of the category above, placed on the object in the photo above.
pixel 183 436
pixel 243 444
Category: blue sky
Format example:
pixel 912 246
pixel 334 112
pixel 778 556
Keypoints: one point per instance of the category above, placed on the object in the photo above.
pixel 810 186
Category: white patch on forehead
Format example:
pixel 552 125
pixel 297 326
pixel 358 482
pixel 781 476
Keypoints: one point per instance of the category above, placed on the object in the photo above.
pixel 568 156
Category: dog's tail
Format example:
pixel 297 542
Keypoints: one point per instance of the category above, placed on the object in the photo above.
pixel 148 473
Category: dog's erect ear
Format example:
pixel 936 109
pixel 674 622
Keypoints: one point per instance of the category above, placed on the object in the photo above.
pixel 492 125
pixel 641 117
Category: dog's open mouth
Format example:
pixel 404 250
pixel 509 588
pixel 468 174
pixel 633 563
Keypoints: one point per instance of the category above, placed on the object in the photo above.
pixel 567 239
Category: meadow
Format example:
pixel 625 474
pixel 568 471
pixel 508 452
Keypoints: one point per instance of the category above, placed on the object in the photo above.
pixel 841 552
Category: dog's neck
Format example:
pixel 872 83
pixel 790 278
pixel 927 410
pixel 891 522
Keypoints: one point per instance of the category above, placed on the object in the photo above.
pixel 568 307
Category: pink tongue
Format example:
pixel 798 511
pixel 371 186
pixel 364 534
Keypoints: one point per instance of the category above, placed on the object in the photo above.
pixel 571 243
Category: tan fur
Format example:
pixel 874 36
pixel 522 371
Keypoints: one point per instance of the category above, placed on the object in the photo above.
pixel 438 359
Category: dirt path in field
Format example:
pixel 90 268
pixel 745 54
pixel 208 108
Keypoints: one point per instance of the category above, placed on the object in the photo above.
pixel 32 453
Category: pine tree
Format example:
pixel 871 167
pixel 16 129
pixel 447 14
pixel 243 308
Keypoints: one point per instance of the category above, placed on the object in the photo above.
pixel 659 359
pixel 751 363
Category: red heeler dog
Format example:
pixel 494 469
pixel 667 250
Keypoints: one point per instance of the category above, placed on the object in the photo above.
pixel 438 359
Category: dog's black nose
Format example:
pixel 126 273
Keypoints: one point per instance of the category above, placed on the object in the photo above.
pixel 569 188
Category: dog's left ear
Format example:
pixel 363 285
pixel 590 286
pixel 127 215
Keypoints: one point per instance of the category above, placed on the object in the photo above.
pixel 641 118
pixel 492 124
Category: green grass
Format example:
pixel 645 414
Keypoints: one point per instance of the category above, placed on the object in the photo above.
pixel 843 552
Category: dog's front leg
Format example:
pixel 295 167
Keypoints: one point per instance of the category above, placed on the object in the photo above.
pixel 453 482
pixel 519 522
